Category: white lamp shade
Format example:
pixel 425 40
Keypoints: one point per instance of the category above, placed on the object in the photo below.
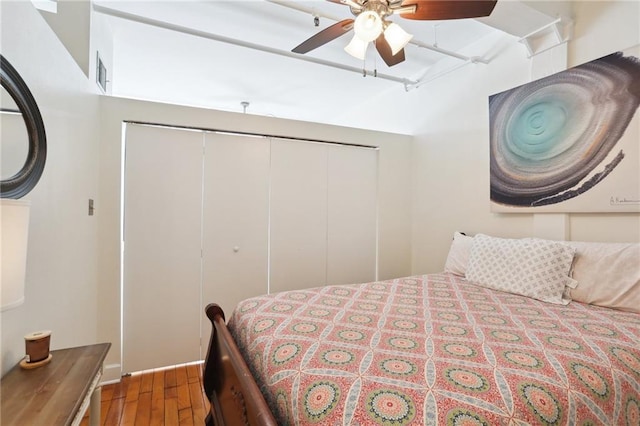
pixel 357 48
pixel 396 37
pixel 368 26
pixel 14 233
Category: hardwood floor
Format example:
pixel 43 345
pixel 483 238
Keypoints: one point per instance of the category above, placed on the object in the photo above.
pixel 172 396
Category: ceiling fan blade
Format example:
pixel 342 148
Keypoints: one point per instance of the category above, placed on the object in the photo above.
pixel 383 48
pixel 324 36
pixel 448 9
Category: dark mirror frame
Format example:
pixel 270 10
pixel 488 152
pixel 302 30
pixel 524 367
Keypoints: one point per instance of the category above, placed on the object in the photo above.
pixel 22 182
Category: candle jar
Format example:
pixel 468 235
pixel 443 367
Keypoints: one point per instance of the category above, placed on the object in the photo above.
pixel 37 345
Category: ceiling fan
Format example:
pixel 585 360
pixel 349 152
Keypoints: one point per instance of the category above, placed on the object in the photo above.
pixel 371 24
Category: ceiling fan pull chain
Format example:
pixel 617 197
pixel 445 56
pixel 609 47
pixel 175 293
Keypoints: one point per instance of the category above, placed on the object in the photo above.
pixel 375 65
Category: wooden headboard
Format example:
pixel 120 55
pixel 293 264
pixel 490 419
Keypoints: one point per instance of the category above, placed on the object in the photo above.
pixel 232 391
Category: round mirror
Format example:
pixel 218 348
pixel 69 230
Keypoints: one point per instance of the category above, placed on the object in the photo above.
pixel 23 141
pixel 14 136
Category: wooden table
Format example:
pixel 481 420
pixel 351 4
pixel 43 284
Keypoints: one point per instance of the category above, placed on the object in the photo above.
pixel 57 393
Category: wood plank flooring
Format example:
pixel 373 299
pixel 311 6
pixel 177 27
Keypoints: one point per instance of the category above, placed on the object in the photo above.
pixel 171 396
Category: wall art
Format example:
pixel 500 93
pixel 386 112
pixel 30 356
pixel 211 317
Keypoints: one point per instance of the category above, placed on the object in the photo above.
pixel 569 142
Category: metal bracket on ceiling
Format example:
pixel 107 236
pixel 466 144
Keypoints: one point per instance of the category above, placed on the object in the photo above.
pixel 548 36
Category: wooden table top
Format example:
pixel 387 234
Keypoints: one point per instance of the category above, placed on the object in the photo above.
pixel 51 394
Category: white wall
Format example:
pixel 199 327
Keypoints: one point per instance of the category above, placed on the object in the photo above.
pixel 451 148
pixel 394 183
pixel 61 280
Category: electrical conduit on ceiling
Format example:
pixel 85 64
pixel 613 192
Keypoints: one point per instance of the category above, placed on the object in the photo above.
pixel 408 83
pixel 216 37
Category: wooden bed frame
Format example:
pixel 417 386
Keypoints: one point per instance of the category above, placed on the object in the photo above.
pixel 234 396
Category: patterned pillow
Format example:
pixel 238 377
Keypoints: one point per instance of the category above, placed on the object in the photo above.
pixel 530 267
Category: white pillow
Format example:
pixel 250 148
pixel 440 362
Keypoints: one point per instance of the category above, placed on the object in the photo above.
pixel 530 267
pixel 608 274
pixel 458 256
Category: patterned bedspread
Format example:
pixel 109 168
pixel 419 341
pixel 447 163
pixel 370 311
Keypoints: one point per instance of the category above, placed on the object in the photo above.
pixel 435 349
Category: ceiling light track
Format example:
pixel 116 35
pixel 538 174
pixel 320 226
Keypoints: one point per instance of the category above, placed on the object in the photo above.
pixel 228 40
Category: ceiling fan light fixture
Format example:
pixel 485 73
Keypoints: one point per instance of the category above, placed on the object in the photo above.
pixel 396 37
pixel 357 48
pixel 368 26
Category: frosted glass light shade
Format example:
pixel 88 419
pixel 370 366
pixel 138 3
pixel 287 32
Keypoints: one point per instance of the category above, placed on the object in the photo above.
pixel 396 37
pixel 368 26
pixel 14 233
pixel 357 48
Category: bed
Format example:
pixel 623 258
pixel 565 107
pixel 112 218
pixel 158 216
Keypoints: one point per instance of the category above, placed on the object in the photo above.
pixel 430 349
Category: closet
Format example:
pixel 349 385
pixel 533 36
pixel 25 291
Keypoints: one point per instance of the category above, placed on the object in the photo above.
pixel 218 217
pixel 323 214
pixel 235 227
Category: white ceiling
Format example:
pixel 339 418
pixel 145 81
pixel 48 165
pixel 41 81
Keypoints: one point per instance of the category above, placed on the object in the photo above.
pixel 171 51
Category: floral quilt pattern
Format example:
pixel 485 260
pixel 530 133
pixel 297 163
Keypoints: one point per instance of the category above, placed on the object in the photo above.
pixel 434 350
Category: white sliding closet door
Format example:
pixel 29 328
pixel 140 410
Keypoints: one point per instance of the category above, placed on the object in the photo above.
pixel 352 213
pixel 162 232
pixel 298 208
pixel 236 220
